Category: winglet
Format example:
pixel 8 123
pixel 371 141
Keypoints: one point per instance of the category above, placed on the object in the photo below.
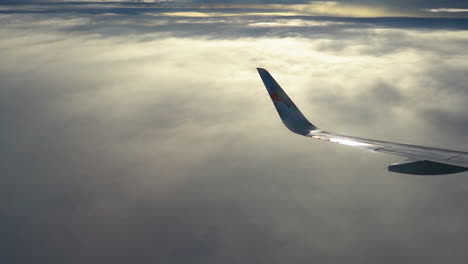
pixel 292 118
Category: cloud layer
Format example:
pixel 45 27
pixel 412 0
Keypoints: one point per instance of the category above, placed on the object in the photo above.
pixel 412 4
pixel 151 138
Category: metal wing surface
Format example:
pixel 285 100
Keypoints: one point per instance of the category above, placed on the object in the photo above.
pixel 420 160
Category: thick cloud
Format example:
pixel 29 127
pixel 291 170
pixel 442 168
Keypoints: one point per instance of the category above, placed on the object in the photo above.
pixel 151 139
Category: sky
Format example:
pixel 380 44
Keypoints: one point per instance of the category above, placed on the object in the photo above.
pixel 142 133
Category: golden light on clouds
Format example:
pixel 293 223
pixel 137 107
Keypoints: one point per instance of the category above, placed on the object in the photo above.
pixel 322 8
pixel 294 23
pixel 220 14
pixel 344 9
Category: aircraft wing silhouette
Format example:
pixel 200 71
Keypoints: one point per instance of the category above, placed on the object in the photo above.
pixel 420 160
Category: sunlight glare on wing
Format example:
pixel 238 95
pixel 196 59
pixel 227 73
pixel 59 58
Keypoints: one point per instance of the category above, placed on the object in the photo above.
pixel 349 142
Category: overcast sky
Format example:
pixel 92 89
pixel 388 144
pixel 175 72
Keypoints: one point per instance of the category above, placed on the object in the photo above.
pixel 143 133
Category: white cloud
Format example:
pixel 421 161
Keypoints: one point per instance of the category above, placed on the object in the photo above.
pixel 157 138
pixel 449 10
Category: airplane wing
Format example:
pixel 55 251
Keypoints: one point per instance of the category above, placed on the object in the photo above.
pixel 420 160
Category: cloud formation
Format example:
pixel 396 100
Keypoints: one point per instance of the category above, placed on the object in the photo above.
pixel 317 8
pixel 347 7
pixel 151 138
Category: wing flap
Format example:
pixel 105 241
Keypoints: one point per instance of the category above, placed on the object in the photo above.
pixel 416 152
pixel 461 159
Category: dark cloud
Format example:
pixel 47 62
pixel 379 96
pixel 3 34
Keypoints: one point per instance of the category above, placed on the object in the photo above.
pixel 151 139
pixel 394 4
pixel 368 9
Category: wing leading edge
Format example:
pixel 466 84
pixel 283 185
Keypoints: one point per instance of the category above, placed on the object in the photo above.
pixel 421 160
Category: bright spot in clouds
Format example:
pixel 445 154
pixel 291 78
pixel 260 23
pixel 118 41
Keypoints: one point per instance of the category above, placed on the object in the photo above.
pixel 449 10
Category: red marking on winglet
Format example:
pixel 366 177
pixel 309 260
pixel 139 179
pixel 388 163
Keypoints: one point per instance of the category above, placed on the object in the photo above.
pixel 276 97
